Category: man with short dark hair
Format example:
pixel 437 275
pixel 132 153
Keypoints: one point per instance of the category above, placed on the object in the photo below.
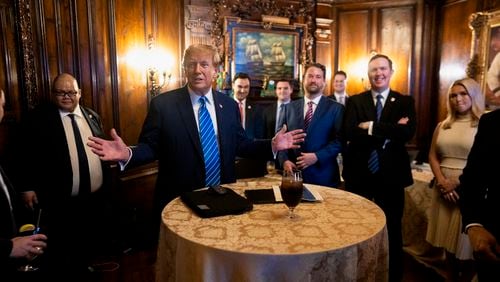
pixel 321 119
pixel 339 85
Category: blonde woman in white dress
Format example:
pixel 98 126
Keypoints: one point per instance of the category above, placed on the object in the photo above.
pixel 451 143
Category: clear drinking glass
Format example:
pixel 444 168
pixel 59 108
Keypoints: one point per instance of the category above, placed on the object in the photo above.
pixel 291 190
pixel 31 229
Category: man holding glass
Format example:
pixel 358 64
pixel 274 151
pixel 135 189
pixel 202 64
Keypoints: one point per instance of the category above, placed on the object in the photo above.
pixel 13 248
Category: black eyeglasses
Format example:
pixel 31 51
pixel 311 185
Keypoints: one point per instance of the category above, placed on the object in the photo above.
pixel 60 93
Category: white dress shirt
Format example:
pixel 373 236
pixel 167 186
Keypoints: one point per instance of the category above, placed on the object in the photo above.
pixel 95 167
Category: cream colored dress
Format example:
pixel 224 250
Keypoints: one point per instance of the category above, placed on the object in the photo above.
pixel 445 221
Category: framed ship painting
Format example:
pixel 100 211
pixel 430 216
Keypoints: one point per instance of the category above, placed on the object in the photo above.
pixel 266 51
pixel 485 55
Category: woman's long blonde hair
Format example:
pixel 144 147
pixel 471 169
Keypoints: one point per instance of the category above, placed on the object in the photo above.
pixel 477 98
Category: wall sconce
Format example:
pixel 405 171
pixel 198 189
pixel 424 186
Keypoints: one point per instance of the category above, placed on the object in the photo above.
pixel 158 68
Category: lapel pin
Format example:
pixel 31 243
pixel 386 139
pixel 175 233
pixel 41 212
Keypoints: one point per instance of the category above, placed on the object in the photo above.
pixel 249 107
pixel 220 105
pixel 393 99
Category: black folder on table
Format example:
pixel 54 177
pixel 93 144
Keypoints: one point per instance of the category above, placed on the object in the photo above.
pixel 267 196
pixel 206 203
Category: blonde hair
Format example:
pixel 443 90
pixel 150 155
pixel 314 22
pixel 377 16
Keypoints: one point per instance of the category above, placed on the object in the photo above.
pixel 477 99
pixel 202 48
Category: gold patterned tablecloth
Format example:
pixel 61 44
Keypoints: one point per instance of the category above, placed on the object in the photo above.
pixel 342 238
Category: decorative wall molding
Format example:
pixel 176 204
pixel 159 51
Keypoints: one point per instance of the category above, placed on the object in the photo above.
pixel 28 77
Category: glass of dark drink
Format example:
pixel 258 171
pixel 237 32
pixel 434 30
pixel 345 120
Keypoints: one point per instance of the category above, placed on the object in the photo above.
pixel 291 190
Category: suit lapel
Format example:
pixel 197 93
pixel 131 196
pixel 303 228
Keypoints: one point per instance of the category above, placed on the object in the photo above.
pixel 369 106
pixel 188 119
pixel 93 122
pixel 299 109
pixel 391 101
pixel 320 110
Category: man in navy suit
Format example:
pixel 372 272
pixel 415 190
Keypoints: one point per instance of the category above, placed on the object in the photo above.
pixel 382 142
pixel 317 157
pixel 480 197
pixel 170 133
pixel 12 247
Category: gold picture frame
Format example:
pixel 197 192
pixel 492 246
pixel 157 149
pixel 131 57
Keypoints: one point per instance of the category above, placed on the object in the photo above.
pixel 265 50
pixel 484 65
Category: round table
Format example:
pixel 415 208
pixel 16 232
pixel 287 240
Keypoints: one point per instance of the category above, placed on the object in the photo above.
pixel 342 238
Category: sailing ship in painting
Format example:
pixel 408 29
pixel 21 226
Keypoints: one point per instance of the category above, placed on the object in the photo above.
pixel 253 53
pixel 278 54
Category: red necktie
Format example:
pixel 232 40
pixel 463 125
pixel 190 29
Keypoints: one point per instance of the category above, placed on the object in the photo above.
pixel 309 115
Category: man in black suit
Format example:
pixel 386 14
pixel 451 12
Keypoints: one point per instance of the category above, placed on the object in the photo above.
pixel 171 133
pixel 13 248
pixel 251 116
pixel 376 162
pixel 273 112
pixel 251 120
pixel 480 197
pixel 73 191
pixel 339 83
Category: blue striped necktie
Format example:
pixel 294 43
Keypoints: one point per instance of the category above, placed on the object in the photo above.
pixel 209 145
pixel 373 163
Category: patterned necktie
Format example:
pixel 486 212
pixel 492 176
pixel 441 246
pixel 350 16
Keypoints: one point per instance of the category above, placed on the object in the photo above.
pixel 373 163
pixel 309 115
pixel 209 145
pixel 83 164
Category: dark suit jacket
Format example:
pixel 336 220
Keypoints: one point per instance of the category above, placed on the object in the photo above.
pixel 335 98
pixel 8 228
pixel 269 120
pixel 253 121
pixel 479 179
pixel 393 157
pixel 170 134
pixel 44 139
pixel 323 138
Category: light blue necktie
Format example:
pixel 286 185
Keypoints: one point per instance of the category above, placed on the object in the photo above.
pixel 209 145
pixel 281 116
pixel 373 163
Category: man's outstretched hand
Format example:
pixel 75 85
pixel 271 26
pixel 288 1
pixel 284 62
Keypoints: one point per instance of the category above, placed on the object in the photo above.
pixel 287 140
pixel 110 150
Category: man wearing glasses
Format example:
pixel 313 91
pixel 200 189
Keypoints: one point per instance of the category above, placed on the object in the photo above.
pixel 71 191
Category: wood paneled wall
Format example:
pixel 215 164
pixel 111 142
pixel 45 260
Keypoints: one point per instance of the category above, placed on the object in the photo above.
pixel 94 40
